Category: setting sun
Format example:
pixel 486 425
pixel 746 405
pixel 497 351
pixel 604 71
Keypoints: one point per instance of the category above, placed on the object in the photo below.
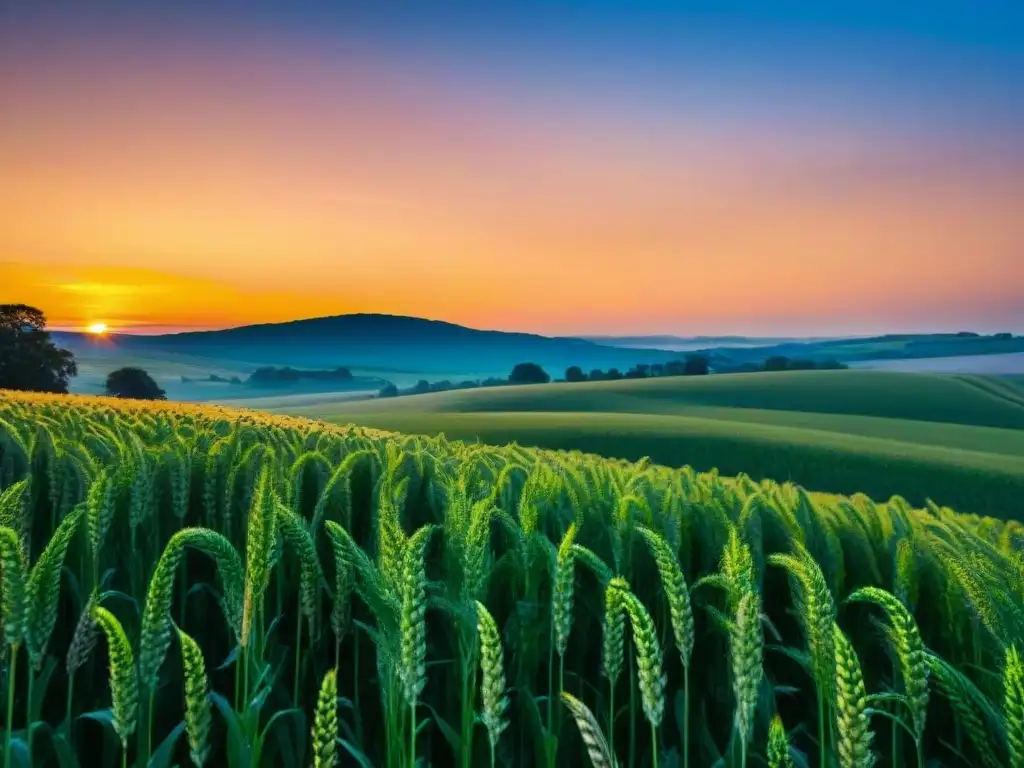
pixel 97 328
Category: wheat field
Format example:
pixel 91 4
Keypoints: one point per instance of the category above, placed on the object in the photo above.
pixel 188 585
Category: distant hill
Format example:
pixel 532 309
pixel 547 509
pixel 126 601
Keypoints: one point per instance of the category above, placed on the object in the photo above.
pixel 887 347
pixel 374 341
pixel 668 341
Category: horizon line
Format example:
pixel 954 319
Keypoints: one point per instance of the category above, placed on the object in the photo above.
pixel 161 329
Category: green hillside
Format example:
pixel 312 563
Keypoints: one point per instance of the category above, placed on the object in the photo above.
pixel 956 440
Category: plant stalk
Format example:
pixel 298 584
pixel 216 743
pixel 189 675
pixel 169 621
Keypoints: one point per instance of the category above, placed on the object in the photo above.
pixel 298 646
pixel 686 716
pixel 12 672
pixel 28 712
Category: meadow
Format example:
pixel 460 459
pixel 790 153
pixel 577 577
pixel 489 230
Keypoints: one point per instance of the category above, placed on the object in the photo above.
pixel 957 440
pixel 198 585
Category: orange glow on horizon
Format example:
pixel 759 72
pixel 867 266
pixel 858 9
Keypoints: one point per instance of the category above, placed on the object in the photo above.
pixel 197 196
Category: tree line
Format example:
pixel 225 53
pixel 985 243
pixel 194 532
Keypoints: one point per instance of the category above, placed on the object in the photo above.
pixel 692 365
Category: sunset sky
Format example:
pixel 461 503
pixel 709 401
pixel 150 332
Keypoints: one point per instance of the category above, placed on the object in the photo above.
pixel 779 167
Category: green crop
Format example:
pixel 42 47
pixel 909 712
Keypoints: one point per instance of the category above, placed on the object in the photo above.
pixel 343 596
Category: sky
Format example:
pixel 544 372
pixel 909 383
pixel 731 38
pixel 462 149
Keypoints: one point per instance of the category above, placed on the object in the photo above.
pixel 563 168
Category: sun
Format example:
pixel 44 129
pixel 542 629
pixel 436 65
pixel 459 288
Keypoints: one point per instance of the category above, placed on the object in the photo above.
pixel 97 329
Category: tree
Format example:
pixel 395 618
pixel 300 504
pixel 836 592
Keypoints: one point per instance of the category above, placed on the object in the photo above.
pixel 575 373
pixel 638 371
pixel 29 360
pixel 135 384
pixel 388 390
pixel 696 365
pixel 528 373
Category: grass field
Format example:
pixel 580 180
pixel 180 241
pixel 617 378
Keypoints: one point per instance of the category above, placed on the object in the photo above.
pixel 1012 363
pixel 958 440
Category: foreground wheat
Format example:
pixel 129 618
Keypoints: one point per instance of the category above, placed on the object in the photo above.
pixel 144 511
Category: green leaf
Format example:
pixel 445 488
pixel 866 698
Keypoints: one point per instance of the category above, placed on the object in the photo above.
pixel 277 715
pixel 116 593
pixel 356 753
pixel 239 749
pixel 19 753
pixel 104 716
pixel 231 658
pixel 39 689
pixel 161 758
pixel 65 755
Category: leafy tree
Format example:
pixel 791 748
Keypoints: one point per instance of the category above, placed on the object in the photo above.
pixel 696 365
pixel 528 373
pixel 575 373
pixel 388 390
pixel 614 374
pixel 596 375
pixel 135 384
pixel 29 360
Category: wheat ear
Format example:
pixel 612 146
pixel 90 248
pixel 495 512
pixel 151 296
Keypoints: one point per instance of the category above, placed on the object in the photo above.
pixel 197 702
pixel 852 724
pixel 597 746
pixel 910 652
pixel 492 669
pixel 1013 706
pixel 778 745
pixel 123 681
pixel 325 723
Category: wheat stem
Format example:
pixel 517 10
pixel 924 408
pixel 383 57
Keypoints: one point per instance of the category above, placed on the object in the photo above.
pixel 11 675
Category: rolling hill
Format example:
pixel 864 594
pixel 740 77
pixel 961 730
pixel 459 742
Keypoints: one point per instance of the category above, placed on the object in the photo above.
pixel 956 440
pixel 377 342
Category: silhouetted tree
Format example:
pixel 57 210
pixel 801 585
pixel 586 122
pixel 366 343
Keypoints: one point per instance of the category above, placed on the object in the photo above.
pixel 528 373
pixel 614 374
pixel 596 375
pixel 638 371
pixel 421 388
pixel 29 360
pixel 135 384
pixel 388 390
pixel 575 373
pixel 695 365
pixel 777 363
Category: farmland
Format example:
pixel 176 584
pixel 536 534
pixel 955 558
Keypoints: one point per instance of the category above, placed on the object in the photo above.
pixel 956 440
pixel 196 584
